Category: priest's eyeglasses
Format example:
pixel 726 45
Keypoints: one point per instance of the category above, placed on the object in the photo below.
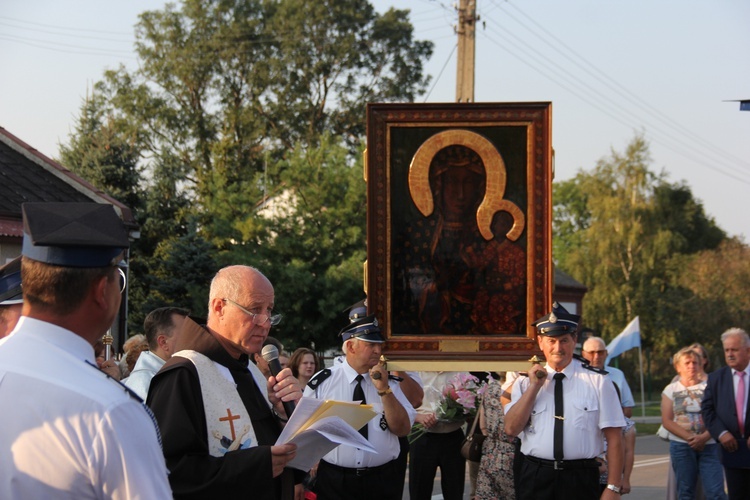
pixel 258 318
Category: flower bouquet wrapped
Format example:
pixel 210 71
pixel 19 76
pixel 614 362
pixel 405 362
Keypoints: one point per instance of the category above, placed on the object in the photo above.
pixel 458 401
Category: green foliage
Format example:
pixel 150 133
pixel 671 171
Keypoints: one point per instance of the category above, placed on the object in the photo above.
pixel 180 274
pixel 631 237
pixel 103 155
pixel 311 242
pixel 717 282
pixel 238 105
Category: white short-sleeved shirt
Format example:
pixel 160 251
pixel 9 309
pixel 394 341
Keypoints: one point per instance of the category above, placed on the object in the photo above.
pixel 590 405
pixel 618 377
pixel 339 386
pixel 67 430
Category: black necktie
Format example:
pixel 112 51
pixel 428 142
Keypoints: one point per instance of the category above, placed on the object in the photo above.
pixel 559 416
pixel 359 395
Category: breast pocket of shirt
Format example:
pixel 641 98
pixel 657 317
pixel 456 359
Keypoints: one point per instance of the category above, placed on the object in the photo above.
pixel 538 413
pixel 586 413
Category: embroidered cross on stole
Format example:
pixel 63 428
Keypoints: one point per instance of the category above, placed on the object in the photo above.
pixel 228 423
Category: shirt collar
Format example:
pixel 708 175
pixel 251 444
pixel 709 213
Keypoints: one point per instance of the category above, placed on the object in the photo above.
pixel 351 373
pixel 59 337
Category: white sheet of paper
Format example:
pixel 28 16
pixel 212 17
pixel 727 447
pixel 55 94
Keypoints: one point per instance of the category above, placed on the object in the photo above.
pixel 321 437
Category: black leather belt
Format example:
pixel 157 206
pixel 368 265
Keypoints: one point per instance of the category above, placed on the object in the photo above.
pixel 564 464
pixel 361 471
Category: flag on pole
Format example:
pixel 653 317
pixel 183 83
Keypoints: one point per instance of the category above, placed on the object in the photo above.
pixel 628 339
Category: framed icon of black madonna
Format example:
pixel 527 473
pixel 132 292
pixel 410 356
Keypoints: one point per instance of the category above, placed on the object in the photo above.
pixel 459 212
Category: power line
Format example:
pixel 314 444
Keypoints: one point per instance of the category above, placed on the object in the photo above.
pixel 57 33
pixel 610 105
pixel 68 49
pixel 610 82
pixel 106 32
pixel 445 64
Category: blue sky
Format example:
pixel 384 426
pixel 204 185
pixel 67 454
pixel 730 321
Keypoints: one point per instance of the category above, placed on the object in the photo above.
pixel 611 68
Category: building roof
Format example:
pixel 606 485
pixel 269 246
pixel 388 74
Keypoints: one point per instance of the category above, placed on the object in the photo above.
pixel 563 280
pixel 28 175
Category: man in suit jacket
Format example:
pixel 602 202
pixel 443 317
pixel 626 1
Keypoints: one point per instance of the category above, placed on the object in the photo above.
pixel 726 411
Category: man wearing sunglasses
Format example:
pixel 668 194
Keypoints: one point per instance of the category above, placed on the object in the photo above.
pixel 218 414
pixel 68 430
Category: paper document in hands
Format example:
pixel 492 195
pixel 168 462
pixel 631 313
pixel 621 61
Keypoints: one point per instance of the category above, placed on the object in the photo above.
pixel 317 427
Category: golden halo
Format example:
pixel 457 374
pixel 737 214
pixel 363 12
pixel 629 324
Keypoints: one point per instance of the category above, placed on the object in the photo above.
pixel 493 202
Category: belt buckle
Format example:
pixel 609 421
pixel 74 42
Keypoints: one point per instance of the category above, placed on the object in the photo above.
pixel 360 471
pixel 558 464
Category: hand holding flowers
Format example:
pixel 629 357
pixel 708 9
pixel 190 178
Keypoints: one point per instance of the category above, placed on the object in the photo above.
pixel 458 401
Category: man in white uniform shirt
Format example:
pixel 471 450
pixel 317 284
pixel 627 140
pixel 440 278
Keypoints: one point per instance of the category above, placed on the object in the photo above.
pixel 562 417
pixel 595 352
pixel 68 430
pixel 348 472
pixel 159 327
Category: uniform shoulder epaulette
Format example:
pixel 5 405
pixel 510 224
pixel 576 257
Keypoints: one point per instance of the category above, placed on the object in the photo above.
pixel 580 358
pixel 319 378
pixel 596 370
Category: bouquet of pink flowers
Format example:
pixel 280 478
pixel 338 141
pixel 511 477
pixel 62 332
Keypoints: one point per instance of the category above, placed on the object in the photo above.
pixel 459 400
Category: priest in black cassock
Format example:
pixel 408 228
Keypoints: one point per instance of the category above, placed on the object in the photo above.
pixel 218 415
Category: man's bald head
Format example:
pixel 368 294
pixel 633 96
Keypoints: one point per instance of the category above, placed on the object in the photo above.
pixel 595 351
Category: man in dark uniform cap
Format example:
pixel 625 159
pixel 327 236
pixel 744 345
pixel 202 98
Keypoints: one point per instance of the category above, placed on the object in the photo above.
pixel 67 429
pixel 562 416
pixel 410 384
pixel 11 296
pixel 348 472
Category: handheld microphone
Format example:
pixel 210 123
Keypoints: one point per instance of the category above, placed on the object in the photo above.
pixel 271 355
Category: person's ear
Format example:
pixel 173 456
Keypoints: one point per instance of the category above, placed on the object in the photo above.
pixel 161 341
pixel 100 290
pixel 217 307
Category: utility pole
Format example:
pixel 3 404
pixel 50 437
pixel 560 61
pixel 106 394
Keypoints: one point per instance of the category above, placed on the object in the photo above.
pixel 467 20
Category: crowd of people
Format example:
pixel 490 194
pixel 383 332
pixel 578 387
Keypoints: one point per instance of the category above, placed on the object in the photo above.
pixel 194 411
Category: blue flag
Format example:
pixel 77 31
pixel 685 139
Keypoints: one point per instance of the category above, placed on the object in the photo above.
pixel 629 338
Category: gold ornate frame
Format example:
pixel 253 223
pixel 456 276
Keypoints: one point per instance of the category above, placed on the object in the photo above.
pixel 513 141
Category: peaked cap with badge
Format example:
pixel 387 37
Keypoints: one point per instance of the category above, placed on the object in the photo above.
pixel 556 323
pixel 358 310
pixel 366 329
pixel 10 283
pixel 73 234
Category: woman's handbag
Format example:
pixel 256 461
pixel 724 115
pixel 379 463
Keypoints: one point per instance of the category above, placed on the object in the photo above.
pixel 471 447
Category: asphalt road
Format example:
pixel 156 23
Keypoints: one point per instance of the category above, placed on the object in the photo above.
pixel 649 478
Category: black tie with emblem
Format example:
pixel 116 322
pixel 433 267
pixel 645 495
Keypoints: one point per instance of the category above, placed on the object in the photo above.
pixel 359 395
pixel 559 416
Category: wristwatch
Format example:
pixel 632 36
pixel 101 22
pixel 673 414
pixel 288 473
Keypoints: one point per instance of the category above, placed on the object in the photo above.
pixel 383 393
pixel 614 488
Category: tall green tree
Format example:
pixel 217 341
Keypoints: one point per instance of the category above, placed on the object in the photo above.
pixel 718 285
pixel 310 241
pixel 104 155
pixel 220 84
pixel 224 92
pixel 620 229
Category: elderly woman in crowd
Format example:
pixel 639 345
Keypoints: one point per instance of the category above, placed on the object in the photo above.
pixel 692 450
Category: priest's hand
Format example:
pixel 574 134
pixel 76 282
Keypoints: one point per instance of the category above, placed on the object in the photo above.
pixel 282 455
pixel 283 388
